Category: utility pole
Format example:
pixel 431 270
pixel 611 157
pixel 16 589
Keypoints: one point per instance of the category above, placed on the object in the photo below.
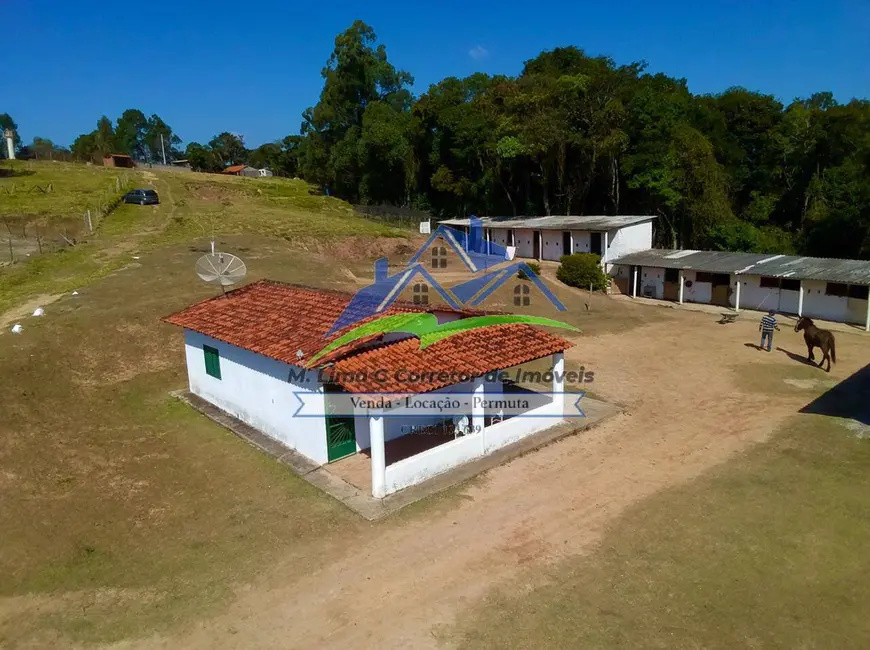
pixel 163 149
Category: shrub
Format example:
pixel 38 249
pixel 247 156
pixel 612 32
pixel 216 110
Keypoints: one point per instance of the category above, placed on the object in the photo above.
pixel 581 270
pixel 522 275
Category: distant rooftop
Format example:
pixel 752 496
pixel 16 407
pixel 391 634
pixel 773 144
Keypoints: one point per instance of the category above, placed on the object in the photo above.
pixel 584 222
pixel 775 266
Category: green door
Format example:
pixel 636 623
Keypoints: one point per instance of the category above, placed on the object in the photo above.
pixel 340 432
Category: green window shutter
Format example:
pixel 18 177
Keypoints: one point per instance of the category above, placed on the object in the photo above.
pixel 212 361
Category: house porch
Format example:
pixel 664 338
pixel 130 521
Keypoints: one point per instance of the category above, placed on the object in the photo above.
pixel 388 466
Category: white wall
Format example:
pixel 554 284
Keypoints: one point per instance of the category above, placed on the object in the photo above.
pixel 816 304
pixel 396 426
pixel 525 243
pixel 754 296
pixel 620 241
pixel 581 241
pixel 438 460
pixel 651 277
pixel 699 291
pixel 499 236
pixel 629 239
pixel 431 462
pixel 552 245
pixel 256 390
pixel 504 433
pixel 835 308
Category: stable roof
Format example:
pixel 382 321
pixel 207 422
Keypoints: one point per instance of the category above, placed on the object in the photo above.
pixel 585 222
pixel 277 320
pixel 776 266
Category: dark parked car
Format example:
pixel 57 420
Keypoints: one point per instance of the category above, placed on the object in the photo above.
pixel 142 197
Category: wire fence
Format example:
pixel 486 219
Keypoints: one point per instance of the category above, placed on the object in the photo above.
pixel 394 215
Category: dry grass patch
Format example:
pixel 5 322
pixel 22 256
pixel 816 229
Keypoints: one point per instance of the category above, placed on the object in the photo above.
pixel 766 551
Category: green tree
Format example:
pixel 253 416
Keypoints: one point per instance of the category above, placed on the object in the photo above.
pixel 202 158
pixel 159 139
pixel 130 130
pixel 228 149
pixel 356 76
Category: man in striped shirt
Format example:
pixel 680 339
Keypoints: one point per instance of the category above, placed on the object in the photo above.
pixel 766 326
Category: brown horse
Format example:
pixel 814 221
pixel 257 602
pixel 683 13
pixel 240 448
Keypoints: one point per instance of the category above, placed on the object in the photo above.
pixel 817 338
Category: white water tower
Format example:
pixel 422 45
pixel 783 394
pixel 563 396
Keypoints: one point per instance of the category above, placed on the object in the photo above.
pixel 9 134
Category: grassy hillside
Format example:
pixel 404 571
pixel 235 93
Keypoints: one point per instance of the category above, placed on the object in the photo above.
pixel 35 226
pixel 73 188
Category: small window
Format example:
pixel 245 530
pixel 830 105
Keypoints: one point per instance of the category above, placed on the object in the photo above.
pixel 858 291
pixel 791 285
pixel 836 289
pixel 769 283
pixel 421 294
pixel 521 295
pixel 212 361
pixel 716 279
pixel 439 257
pixel 672 275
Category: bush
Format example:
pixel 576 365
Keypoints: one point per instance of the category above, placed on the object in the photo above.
pixel 522 275
pixel 581 270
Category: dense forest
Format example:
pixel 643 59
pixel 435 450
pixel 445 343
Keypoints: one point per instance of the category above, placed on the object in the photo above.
pixel 571 134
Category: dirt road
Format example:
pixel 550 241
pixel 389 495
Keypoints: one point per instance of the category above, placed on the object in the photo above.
pixel 683 381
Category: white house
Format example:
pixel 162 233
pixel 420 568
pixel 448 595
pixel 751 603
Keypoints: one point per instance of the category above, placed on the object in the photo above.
pixel 549 238
pixel 830 289
pixel 251 353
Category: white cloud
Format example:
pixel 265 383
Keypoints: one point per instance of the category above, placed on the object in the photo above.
pixel 478 52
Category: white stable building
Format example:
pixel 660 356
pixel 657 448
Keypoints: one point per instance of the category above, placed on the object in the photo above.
pixel 825 288
pixel 549 238
pixel 248 353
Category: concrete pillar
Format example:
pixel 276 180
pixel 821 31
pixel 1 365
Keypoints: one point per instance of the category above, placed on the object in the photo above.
pixel 737 294
pixel 540 244
pixel 867 321
pixel 9 136
pixel 478 412
pixel 571 236
pixel 379 459
pixel 604 252
pixel 559 382
pixel 801 300
pixel 681 286
pixel 636 270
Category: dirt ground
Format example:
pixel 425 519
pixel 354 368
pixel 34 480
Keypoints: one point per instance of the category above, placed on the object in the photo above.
pixel 690 407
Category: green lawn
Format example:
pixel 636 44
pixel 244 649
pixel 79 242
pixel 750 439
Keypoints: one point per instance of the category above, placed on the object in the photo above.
pixel 193 206
pixel 768 551
pixel 119 501
pixel 74 188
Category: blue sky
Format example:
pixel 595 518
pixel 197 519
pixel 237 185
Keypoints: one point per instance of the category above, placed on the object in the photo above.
pixel 252 67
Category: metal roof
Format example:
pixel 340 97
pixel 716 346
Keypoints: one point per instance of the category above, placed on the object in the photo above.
pixel 588 222
pixel 776 266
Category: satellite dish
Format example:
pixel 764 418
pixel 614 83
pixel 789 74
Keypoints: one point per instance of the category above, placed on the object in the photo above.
pixel 220 268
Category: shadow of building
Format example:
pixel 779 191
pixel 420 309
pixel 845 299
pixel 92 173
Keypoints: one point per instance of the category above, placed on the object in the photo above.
pixel 848 399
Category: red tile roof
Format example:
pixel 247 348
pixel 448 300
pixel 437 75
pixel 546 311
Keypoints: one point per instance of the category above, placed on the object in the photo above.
pixel 405 368
pixel 232 169
pixel 276 320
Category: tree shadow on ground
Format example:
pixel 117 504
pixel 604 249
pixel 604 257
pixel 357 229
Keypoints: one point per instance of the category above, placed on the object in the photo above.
pixel 9 173
pixel 848 399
